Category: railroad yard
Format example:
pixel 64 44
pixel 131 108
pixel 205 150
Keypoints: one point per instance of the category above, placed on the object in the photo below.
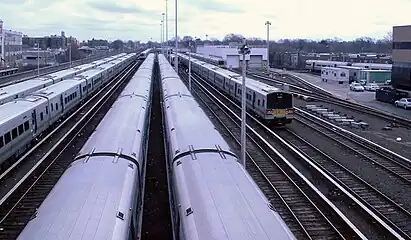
pixel 340 170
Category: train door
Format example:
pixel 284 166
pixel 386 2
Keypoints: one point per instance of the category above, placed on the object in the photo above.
pixel 61 104
pixel 253 99
pixel 34 121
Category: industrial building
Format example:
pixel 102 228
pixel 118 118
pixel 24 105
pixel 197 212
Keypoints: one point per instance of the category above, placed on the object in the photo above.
pixel 401 56
pixel 354 72
pixel 375 76
pixel 53 42
pixel 335 75
pixel 257 59
pixel 11 47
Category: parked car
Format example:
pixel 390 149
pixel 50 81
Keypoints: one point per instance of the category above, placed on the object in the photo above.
pixel 371 87
pixel 404 103
pixel 356 87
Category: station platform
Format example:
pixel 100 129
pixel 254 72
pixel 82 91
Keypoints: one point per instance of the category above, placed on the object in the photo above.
pixel 343 91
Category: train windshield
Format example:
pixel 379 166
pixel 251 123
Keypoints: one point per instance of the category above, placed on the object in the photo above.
pixel 279 100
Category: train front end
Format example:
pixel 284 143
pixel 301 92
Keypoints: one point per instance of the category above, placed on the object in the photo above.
pixel 279 108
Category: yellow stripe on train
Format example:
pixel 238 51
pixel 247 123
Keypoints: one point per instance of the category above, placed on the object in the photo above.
pixel 280 111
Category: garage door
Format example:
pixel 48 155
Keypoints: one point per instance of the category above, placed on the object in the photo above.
pixel 233 61
pixel 256 61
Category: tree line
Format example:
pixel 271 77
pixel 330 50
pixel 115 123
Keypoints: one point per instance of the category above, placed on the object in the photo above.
pixel 363 44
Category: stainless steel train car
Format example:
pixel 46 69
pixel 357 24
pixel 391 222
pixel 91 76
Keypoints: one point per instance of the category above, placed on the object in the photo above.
pixel 213 60
pixel 212 196
pixel 145 53
pixel 273 105
pixel 24 119
pixel 316 65
pixel 22 89
pixel 100 195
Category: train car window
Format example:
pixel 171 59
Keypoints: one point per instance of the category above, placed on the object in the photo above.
pixel 258 102
pixel 1 141
pixel 7 138
pixel 26 126
pixel 57 107
pixel 263 103
pixel 21 129
pixel 279 101
pixel 14 133
pixel 51 105
pixel 47 109
pixel 41 116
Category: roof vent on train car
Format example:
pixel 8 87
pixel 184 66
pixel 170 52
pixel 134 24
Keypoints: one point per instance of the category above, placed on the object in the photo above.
pixel 178 163
pixel 189 211
pixel 131 166
pixel 120 215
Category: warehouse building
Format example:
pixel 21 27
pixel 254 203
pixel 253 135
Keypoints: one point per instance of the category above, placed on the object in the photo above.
pixel 335 75
pixel 257 59
pixel 401 57
pixel 11 47
pixel 375 76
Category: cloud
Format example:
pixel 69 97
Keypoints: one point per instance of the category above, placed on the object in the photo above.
pixel 140 19
pixel 118 7
pixel 214 6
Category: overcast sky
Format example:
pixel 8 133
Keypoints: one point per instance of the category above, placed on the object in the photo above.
pixel 140 19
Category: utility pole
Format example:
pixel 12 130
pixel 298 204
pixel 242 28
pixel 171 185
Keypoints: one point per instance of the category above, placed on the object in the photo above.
pixel 176 55
pixel 167 26
pixel 268 45
pixel 38 59
pixel 189 66
pixel 244 50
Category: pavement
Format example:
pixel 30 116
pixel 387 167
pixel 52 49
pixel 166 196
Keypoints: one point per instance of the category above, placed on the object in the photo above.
pixel 343 91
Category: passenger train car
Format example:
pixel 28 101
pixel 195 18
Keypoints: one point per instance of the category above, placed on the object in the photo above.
pixel 273 105
pixel 213 60
pixel 8 71
pixel 100 195
pixel 22 89
pixel 211 194
pixel 24 119
pixel 145 53
pixel 316 65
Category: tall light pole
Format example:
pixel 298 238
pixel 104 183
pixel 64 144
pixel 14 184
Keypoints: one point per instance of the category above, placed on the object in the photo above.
pixel 244 50
pixel 161 36
pixel 176 55
pixel 167 26
pixel 162 33
pixel 38 59
pixel 268 23
pixel 70 52
pixel 189 66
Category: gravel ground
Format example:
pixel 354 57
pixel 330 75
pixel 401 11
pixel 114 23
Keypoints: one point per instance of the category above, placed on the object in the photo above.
pixel 375 132
pixel 156 211
pixel 366 170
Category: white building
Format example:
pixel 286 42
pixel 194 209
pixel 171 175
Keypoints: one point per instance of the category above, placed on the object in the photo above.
pixel 333 75
pixel 256 59
pixel 354 72
pixel 11 46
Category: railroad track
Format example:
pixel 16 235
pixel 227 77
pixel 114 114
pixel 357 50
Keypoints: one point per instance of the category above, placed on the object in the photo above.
pixel 50 157
pixel 378 225
pixel 307 212
pixel 395 166
pixel 322 96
